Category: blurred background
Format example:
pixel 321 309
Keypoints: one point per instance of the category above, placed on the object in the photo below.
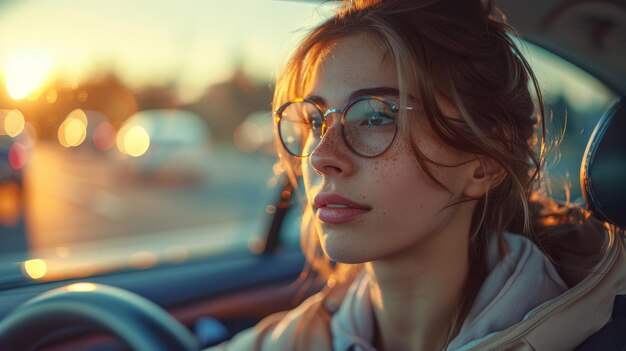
pixel 139 133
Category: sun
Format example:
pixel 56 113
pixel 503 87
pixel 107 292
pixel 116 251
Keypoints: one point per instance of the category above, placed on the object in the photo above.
pixel 25 71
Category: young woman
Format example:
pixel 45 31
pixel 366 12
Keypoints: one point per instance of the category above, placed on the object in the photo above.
pixel 414 129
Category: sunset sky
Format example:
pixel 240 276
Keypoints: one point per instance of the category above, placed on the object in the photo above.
pixel 191 43
pixel 188 44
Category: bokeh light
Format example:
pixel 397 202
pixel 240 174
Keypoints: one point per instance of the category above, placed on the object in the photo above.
pixel 255 133
pixel 104 136
pixel 18 156
pixel 133 140
pixel 277 168
pixel 176 254
pixel 13 123
pixel 119 139
pixel 79 115
pixel 73 131
pixel 143 259
pixel 248 137
pixel 35 268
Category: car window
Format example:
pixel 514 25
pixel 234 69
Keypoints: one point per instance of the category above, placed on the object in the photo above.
pixel 137 134
pixel 574 102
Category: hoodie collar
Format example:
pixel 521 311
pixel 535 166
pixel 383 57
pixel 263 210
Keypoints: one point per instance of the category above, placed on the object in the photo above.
pixel 516 286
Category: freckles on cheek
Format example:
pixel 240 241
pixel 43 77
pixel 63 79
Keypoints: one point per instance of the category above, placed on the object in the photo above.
pixel 411 170
pixel 405 186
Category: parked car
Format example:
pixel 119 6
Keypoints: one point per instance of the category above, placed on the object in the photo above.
pixel 165 146
pixel 212 261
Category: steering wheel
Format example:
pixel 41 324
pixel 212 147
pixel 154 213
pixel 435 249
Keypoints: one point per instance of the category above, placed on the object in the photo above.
pixel 139 323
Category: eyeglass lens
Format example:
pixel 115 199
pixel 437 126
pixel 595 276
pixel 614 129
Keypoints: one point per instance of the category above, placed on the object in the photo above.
pixel 369 127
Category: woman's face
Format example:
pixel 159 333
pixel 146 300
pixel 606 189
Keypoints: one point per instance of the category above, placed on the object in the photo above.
pixel 368 209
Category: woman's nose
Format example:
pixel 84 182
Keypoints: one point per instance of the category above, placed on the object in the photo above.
pixel 331 156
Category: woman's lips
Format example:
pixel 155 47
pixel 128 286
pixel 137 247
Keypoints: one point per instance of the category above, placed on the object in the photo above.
pixel 335 215
pixel 335 208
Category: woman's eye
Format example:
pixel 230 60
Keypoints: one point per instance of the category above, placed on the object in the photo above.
pixel 314 124
pixel 377 120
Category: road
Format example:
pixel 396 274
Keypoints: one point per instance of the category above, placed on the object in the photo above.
pixel 81 196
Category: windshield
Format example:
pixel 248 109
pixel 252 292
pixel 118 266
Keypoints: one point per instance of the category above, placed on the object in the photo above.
pixel 137 134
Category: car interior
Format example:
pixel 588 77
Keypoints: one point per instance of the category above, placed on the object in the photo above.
pixel 201 302
pixel 603 201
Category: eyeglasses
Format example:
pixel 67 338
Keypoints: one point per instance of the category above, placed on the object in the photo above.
pixel 368 125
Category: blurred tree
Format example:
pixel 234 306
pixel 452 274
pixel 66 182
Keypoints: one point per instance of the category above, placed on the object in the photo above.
pixel 225 105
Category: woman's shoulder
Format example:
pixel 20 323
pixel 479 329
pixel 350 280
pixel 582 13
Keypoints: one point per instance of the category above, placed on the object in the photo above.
pixel 306 327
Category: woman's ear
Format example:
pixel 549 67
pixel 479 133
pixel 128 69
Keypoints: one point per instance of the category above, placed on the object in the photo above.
pixel 483 174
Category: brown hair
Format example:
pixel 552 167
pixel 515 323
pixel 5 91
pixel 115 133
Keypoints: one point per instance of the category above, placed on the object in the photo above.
pixel 458 50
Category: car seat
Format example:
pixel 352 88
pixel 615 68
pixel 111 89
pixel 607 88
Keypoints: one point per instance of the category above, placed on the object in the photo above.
pixel 603 183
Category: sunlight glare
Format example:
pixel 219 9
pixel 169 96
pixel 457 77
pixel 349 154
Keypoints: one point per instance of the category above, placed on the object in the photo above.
pixel 82 287
pixel 24 72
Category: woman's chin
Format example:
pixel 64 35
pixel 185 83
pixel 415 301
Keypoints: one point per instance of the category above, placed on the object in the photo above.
pixel 344 253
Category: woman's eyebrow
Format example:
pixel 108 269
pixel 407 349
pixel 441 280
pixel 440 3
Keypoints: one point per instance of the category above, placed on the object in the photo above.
pixel 376 91
pixel 317 99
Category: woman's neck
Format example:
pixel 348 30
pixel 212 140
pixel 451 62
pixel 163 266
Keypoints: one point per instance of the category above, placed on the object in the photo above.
pixel 417 292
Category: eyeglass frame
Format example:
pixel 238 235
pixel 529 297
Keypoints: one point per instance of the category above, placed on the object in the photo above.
pixel 394 107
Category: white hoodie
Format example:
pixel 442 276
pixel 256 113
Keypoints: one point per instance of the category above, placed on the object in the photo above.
pixel 515 285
